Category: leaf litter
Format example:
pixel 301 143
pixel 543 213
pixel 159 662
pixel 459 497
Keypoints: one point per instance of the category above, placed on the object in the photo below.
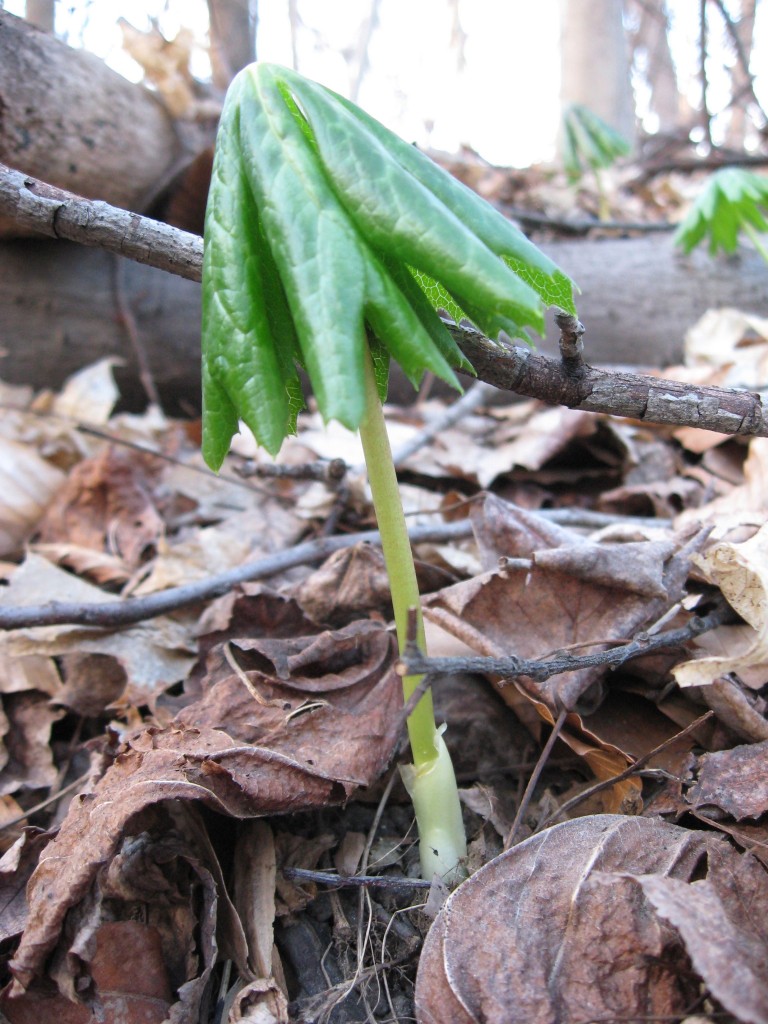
pixel 163 780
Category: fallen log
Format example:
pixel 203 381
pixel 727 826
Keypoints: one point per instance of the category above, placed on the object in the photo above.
pixel 63 306
pixel 67 118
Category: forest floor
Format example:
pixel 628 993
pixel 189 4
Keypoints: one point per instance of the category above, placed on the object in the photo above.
pixel 201 812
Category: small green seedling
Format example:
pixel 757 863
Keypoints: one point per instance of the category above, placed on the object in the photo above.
pixel 588 142
pixel 329 244
pixel 733 200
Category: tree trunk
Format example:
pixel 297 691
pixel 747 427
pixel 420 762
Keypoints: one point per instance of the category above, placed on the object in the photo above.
pixel 744 29
pixel 651 39
pixel 68 119
pixel 233 37
pixel 41 14
pixel 595 61
pixel 63 306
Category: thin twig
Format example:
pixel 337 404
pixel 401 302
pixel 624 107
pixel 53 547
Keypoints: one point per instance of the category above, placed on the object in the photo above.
pixel 334 881
pixel 633 769
pixel 706 119
pixel 741 56
pixel 534 779
pixel 124 612
pixel 413 662
pixel 474 397
pixel 128 320
pixel 583 226
pixel 327 471
pixel 52 799
pixel 571 343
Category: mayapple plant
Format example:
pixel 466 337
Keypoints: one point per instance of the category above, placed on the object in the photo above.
pixel 731 201
pixel 329 245
pixel 589 141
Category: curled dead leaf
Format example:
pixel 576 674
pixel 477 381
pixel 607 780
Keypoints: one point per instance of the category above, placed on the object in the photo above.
pixel 238 756
pixel 561 929
pixel 734 781
pixel 741 573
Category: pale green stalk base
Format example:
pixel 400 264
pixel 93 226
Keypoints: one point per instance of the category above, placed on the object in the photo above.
pixel 438 811
pixel 442 843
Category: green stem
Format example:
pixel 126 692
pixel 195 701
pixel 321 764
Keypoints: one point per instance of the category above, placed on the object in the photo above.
pixel 397 558
pixel 756 241
pixel 430 780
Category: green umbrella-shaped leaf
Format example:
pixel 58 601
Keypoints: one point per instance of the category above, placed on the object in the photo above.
pixel 732 199
pixel 317 218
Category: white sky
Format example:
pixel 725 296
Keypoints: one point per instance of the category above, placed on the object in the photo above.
pixel 503 102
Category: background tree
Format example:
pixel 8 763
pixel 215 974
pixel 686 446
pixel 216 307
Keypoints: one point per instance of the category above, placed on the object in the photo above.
pixel 595 63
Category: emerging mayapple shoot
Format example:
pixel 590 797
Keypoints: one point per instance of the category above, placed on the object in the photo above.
pixel 329 244
pixel 733 200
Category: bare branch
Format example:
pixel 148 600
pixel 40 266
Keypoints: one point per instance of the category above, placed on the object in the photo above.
pixel 651 399
pixel 61 214
pixel 124 612
pixel 51 211
pixel 413 662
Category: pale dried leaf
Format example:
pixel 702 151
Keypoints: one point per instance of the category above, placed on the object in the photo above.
pixel 90 394
pixel 27 483
pixel 155 654
pixel 740 508
pixel 741 572
pixel 32 673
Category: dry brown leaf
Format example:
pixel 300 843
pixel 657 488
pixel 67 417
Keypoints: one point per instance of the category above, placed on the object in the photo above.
pixel 165 873
pixel 107 505
pixel 741 511
pixel 605 759
pixel 128 976
pixel 237 750
pixel 265 526
pixel 734 781
pixel 27 754
pixel 638 567
pixel 351 581
pixel 726 946
pixel 532 612
pixel 527 437
pixel 559 929
pixel 16 867
pixel 507 531
pixel 92 682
